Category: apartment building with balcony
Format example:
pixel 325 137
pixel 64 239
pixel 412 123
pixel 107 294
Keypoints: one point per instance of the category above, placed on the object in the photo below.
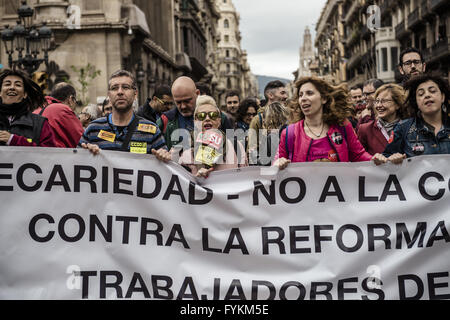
pixel 234 70
pixel 423 24
pixel 330 42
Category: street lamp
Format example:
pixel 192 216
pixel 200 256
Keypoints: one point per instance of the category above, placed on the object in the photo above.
pixel 24 37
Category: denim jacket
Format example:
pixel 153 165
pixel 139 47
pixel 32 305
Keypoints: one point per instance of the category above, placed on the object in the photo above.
pixel 413 138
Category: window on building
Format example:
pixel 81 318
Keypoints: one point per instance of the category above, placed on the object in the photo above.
pixel 227 53
pixel 378 61
pixel 226 24
pixel 228 83
pixel 92 5
pixel 227 38
pixel 394 57
pixel 384 59
pixel 11 6
pixel 228 68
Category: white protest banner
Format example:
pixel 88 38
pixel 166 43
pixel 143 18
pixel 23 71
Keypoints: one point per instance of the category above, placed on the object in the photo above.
pixel 123 226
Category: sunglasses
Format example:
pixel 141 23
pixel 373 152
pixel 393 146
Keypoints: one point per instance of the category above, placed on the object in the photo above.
pixel 201 116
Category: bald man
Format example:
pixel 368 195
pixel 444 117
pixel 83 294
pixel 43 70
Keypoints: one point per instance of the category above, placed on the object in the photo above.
pixel 184 95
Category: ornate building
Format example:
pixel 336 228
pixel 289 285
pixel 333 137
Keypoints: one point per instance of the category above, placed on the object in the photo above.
pixel 234 70
pixel 307 56
pixel 369 36
pixel 157 40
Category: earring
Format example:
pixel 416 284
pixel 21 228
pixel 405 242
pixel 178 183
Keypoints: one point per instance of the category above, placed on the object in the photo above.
pixel 444 108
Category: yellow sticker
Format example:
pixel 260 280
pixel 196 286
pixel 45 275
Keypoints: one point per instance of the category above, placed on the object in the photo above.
pixel 207 155
pixel 138 147
pixel 147 128
pixel 108 136
pixel 30 140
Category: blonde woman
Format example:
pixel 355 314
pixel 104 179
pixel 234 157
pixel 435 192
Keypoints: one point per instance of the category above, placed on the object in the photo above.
pixel 210 149
pixel 389 106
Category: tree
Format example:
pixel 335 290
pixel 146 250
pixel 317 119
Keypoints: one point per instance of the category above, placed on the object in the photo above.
pixel 85 75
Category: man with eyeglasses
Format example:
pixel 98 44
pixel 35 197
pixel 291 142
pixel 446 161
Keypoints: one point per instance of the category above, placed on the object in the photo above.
pixel 160 102
pixel 123 130
pixel 60 112
pixel 411 63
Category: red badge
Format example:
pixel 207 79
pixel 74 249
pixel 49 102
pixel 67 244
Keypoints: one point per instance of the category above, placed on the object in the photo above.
pixel 332 156
pixel 391 138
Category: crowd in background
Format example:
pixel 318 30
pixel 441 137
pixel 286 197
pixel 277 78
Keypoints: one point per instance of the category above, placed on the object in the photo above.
pixel 377 121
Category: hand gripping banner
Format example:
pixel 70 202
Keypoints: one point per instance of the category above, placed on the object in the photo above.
pixel 125 226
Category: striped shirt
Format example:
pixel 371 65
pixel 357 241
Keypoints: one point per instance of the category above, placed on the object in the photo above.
pixel 108 136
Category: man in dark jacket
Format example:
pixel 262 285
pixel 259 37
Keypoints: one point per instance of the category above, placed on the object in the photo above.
pixel 160 102
pixel 185 95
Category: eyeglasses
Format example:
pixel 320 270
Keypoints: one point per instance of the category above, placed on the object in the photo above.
pixel 166 103
pixel 213 115
pixel 250 114
pixel 125 87
pixel 410 62
pixel 382 101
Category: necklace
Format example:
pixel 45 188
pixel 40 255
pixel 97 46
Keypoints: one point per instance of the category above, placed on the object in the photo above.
pixel 316 135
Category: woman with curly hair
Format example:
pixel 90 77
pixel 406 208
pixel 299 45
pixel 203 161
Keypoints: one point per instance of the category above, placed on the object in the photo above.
pixel 19 96
pixel 247 110
pixel 389 105
pixel 428 132
pixel 323 133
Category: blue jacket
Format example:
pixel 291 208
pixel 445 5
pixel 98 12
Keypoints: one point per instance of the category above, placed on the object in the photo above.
pixel 413 138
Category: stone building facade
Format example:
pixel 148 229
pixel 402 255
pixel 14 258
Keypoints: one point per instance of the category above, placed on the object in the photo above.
pixel 234 70
pixel 345 31
pixel 156 40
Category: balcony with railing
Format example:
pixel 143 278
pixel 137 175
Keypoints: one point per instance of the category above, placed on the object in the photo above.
pixel 384 34
pixel 436 4
pixel 413 18
pixel 365 32
pixel 425 11
pixel 426 54
pixel 440 48
pixel 353 9
pixel 400 30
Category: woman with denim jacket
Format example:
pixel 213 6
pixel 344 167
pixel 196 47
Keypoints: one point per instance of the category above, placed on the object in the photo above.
pixel 429 131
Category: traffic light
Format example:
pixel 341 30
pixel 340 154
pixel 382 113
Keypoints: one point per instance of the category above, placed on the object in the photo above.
pixel 41 79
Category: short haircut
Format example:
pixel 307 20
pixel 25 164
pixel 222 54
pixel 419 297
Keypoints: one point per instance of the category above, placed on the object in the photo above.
pixel 358 86
pixel 375 82
pixel 203 88
pixel 202 100
pixel 409 50
pixel 124 73
pixel 162 90
pixel 273 85
pixel 232 93
pixel 63 91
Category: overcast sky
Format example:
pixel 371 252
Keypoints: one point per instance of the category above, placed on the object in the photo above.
pixel 272 33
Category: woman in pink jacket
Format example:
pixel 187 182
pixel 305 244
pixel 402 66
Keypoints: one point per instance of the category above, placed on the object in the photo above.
pixel 323 133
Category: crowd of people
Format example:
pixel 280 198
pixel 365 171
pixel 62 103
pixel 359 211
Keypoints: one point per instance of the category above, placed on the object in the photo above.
pixel 322 122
